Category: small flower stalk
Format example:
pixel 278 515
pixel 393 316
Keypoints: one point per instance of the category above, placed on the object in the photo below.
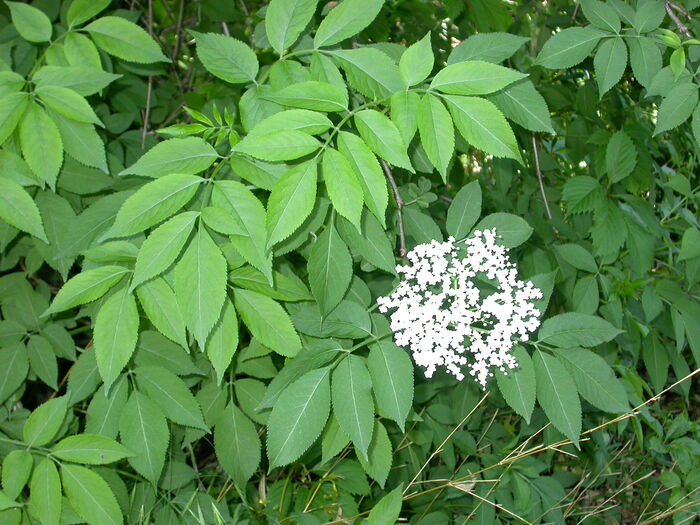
pixel 460 305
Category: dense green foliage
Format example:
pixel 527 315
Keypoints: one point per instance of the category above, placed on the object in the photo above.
pixel 200 203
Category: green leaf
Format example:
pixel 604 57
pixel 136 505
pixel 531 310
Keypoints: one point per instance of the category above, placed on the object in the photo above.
pixel 368 171
pixel 154 202
pixel 238 200
pixel 287 144
pixel 601 15
pixel 84 377
pixel 222 221
pixel 388 508
pixel 518 386
pixel 90 496
pixel 574 329
pixel 464 210
pixel 577 256
pixel 512 230
pixel 45 421
pixel 12 107
pixel 420 226
pixel 586 296
pixel 160 305
pixel 115 334
pixel 521 103
pixel 200 285
pixel 103 412
pixel 330 269
pixel 581 194
pixel 404 113
pixel 620 157
pixel 311 122
pixel 392 381
pixel 123 39
pixel 373 243
pixel 155 350
pixel 645 59
pixel 31 23
pixel 557 395
pixel 81 142
pixel 690 244
pixel 656 361
pixel 382 137
pixel 342 185
pixel 81 11
pixel 436 133
pixel 353 405
pixel 676 107
pixel 237 445
pixel 285 20
pixel 298 417
pixel 291 201
pixel 18 209
pixel 370 71
pixel 43 360
pixel 83 80
pixel 569 47
pixel 489 47
pixel 68 103
pixel 144 430
pixel 41 144
pixel 45 493
pixel 379 455
pixel 649 16
pixel 483 126
pixel 267 321
pixel 15 363
pixel 90 449
pixel 345 20
pixel 226 57
pixel 188 156
pixel 474 77
pixel 609 63
pixel 162 247
pixel 171 394
pixel 417 61
pixel 595 380
pixel 223 340
pixel 16 469
pixel 315 95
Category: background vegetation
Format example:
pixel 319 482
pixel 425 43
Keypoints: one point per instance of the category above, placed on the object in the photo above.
pixel 188 328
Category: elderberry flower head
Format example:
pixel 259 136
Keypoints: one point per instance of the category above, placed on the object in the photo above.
pixel 462 305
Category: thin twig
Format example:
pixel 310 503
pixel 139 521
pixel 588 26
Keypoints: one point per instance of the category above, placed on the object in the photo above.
pixel 399 205
pixel 680 9
pixel 538 171
pixel 673 16
pixel 147 113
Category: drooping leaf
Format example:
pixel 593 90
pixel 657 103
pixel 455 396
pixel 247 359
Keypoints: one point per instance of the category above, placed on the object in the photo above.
pixel 18 209
pixel 521 103
pixel 237 444
pixel 388 508
pixel 188 156
pixel 200 285
pixel 43 360
pixel 123 39
pixel 115 334
pixel 676 107
pixel 144 430
pixel 105 407
pixel 518 386
pixel 41 144
pixel 267 321
pixel 382 137
pixel 298 417
pixel 464 210
pixel 223 340
pixel 342 185
pixel 16 469
pixel 45 492
pixel 620 156
pixel 609 63
pixel 68 103
pixel 392 380
pixel 372 242
pixel 160 305
pixel 330 269
pixel 353 405
pixel 379 455
pixel 557 395
pixel 436 133
pixel 291 201
pixel 404 113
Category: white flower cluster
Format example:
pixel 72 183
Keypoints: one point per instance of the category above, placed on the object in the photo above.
pixel 462 305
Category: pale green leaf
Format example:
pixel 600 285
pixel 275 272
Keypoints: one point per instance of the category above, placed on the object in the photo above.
pixel 45 493
pixel 68 103
pixel 417 61
pixel 43 360
pixel 379 455
pixel 342 185
pixel 382 137
pixel 298 417
pixel 188 155
pixel 81 79
pixel 45 421
pixel 436 133
pixel 18 209
pixel 81 141
pixel 160 305
pixel 388 508
pixel 330 269
pixel 620 156
pixel 279 145
pixel 474 77
pixel 404 113
pixel 464 210
pixel 267 321
pixel 226 57
pixel 200 285
pixel 90 496
pixel 345 20
pixel 223 340
pixel 369 71
pixel 81 11
pixel 373 243
pixel 392 380
pixel 31 23
pixel 90 449
pixel 41 144
pixel 489 47
pixel 285 20
pixel 86 287
pixel 521 103
pixel 569 47
pixel 15 363
pixel 105 407
pixel 16 469
pixel 313 94
pixel 123 39
pixel 577 256
pixel 115 334
pixel 311 122
pixel 512 230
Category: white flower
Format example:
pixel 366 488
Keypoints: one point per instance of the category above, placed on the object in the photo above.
pixel 462 306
